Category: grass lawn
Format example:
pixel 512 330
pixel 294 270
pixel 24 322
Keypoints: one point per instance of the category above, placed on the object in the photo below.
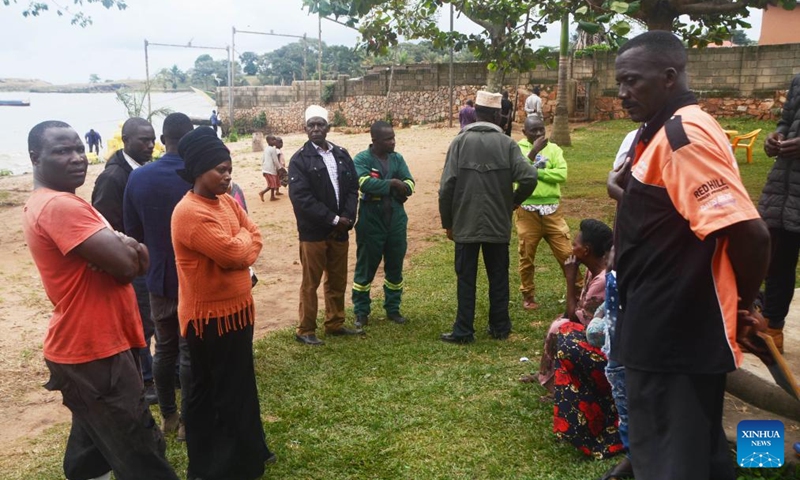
pixel 399 403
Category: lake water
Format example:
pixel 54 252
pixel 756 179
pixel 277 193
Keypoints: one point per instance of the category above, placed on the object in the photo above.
pixel 100 111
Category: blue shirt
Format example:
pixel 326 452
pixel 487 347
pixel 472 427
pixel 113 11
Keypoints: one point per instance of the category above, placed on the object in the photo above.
pixel 150 197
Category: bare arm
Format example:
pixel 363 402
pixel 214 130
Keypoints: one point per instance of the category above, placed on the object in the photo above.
pixel 748 250
pixel 571 272
pixel 116 254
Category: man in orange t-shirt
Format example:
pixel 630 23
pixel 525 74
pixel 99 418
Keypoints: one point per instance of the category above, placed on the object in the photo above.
pixel 90 345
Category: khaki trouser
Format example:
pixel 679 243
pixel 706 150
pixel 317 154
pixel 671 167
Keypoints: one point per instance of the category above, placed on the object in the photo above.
pixel 531 228
pixel 330 257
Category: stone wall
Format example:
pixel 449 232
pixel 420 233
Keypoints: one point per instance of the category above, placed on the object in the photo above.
pixel 741 81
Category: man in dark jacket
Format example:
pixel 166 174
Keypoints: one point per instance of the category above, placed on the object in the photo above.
pixel 138 139
pixel 323 188
pixel 779 206
pixel 476 199
pixel 152 193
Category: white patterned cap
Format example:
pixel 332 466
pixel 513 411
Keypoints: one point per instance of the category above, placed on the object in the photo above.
pixel 317 111
pixel 488 99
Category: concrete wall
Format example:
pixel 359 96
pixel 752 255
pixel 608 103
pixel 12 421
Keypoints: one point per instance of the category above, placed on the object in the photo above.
pixel 729 82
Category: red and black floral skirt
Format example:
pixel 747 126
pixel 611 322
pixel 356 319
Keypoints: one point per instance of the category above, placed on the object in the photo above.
pixel 584 413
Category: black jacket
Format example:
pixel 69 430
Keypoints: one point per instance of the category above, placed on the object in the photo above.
pixel 109 190
pixel 312 194
pixel 779 204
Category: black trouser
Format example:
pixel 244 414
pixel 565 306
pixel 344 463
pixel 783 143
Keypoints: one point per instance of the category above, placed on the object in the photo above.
pixel 112 428
pixel 143 299
pixel 171 351
pixel 779 287
pixel 675 427
pixel 224 434
pixel 495 258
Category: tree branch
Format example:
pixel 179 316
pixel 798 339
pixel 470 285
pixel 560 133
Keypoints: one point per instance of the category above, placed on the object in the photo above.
pixel 709 8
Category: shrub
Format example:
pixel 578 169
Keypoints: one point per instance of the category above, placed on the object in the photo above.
pixel 339 119
pixel 260 121
pixel 589 51
pixel 233 136
pixel 327 93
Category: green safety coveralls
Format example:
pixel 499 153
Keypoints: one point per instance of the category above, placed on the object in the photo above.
pixel 380 230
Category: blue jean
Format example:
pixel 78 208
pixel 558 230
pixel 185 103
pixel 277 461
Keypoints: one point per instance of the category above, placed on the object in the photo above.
pixel 143 299
pixel 615 373
pixel 171 351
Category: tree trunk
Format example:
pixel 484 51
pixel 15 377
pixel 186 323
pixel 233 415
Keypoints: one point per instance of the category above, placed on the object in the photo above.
pixel 588 39
pixel 494 80
pixel 659 18
pixel 560 133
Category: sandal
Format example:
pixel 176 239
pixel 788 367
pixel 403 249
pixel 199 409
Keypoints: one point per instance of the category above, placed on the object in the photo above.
pixel 529 304
pixel 620 471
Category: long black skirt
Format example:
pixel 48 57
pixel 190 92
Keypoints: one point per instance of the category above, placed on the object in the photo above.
pixel 224 434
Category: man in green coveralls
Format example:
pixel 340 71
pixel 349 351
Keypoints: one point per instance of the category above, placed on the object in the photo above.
pixel 385 185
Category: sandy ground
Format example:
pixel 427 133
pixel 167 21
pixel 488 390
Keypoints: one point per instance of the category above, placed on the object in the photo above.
pixel 27 409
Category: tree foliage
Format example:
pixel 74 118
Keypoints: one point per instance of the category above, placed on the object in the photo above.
pixel 740 38
pixel 209 73
pixel 421 52
pixel 249 63
pixel 697 22
pixel 510 25
pixel 76 15
pixel 504 42
pixel 285 64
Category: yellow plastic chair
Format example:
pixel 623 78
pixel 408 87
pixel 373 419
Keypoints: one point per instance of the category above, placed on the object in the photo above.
pixel 750 139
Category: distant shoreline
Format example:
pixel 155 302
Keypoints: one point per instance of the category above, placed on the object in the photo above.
pixel 40 86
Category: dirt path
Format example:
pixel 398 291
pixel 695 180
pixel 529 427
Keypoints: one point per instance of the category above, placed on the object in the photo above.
pixel 27 409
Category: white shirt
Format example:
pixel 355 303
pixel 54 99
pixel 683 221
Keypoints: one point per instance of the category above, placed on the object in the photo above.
pixel 533 106
pixel 624 147
pixel 133 163
pixel 333 171
pixel 269 161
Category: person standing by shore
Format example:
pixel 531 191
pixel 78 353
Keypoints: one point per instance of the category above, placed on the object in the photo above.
pixel 691 252
pixel 91 343
pixel 467 114
pixel 533 104
pixel 539 216
pixel 381 233
pixel 270 164
pixel 94 140
pixel 214 120
pixel 476 201
pixel 215 244
pixel 324 194
pixel 138 140
pixel 150 198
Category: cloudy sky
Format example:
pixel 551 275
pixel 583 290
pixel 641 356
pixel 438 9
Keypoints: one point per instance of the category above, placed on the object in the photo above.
pixel 50 49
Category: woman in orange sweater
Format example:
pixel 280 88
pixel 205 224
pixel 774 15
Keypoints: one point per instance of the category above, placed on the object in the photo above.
pixel 215 244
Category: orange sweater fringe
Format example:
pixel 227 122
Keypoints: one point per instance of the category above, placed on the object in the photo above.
pixel 215 242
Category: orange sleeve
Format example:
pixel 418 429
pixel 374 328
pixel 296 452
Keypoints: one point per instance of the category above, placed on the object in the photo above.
pixel 83 222
pixel 702 180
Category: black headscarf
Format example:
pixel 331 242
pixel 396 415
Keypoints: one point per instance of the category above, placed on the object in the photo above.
pixel 201 150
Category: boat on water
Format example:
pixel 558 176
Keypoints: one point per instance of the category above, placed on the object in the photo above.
pixel 15 103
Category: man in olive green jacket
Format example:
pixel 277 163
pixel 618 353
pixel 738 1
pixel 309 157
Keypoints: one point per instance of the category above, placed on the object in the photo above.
pixel 476 200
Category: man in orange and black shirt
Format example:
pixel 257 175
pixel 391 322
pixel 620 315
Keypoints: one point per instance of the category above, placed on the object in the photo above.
pixel 691 252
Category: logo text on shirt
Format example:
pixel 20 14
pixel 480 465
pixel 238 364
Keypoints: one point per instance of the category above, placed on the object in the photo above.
pixel 709 188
